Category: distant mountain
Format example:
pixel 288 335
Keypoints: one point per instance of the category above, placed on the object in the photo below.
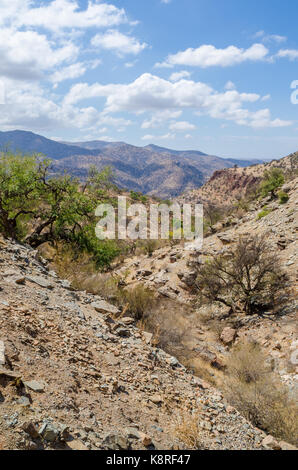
pixel 152 170
pixel 28 142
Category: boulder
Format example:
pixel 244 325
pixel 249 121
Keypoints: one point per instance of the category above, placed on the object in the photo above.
pixel 35 386
pixel 104 307
pixel 228 335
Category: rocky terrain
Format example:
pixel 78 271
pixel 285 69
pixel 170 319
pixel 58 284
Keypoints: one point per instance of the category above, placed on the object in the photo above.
pixel 227 186
pixel 171 271
pixel 73 377
pixel 78 373
pixel 151 170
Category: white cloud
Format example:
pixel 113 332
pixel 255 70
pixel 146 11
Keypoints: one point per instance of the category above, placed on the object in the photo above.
pixel 61 14
pixel 266 97
pixel 209 56
pixel 176 76
pixel 70 72
pixel 230 85
pixel 120 43
pixel 159 118
pixel 182 126
pixel 150 93
pixel 27 54
pixel 291 54
pixel 270 37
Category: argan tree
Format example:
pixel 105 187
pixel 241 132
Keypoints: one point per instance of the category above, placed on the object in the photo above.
pixel 36 207
pixel 247 278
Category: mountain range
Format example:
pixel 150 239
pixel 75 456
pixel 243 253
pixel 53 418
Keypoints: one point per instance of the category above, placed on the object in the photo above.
pixel 151 170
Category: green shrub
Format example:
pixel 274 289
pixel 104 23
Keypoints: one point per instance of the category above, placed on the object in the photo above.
pixel 283 197
pixel 263 213
pixel 273 179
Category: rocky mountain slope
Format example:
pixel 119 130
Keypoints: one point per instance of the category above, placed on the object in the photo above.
pixel 171 272
pixel 73 377
pixel 227 186
pixel 151 170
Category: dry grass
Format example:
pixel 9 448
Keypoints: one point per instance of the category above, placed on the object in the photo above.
pixel 188 431
pixel 257 392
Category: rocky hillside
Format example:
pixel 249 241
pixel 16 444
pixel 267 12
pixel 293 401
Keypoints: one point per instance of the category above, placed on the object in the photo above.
pixel 227 186
pixel 171 273
pixel 151 170
pixel 74 377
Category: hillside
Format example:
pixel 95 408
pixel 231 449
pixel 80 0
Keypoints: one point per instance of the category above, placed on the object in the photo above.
pixel 227 186
pixel 79 370
pixel 72 376
pixel 151 170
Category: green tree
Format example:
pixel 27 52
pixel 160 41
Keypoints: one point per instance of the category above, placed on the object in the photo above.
pixel 273 179
pixel 37 207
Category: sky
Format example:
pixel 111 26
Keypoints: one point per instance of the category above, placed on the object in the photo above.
pixel 210 75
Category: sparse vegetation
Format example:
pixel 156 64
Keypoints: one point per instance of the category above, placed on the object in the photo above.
pixel 273 179
pixel 256 391
pixel 247 278
pixel 188 431
pixel 283 197
pixel 263 213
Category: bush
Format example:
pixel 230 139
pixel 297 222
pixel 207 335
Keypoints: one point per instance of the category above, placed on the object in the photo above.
pixel 248 277
pixel 257 392
pixel 263 213
pixel 273 179
pixel 283 197
pixel 138 301
pixel 188 431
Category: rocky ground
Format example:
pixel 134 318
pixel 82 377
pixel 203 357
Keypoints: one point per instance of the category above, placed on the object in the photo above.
pixel 171 273
pixel 73 377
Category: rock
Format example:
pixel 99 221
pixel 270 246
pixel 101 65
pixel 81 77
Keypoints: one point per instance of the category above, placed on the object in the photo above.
pixel 147 337
pixel 224 238
pixel 116 442
pixel 76 444
pixel 40 281
pixel 145 439
pixel 11 374
pixel 2 353
pixel 123 332
pixel 104 307
pixel 35 386
pixel 24 401
pixel 286 446
pixel 49 431
pixel 156 399
pixel 30 429
pixel 127 320
pixel 271 443
pixel 228 335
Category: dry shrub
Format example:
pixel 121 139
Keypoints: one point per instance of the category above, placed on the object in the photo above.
pixel 248 277
pixel 139 301
pixel 258 393
pixel 188 431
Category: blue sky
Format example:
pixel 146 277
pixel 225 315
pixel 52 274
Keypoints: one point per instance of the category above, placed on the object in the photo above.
pixel 209 75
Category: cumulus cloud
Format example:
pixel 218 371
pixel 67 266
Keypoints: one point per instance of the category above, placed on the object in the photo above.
pixel 27 54
pixel 209 56
pixel 176 76
pixel 61 14
pixel 182 126
pixel 291 54
pixel 118 42
pixel 150 93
